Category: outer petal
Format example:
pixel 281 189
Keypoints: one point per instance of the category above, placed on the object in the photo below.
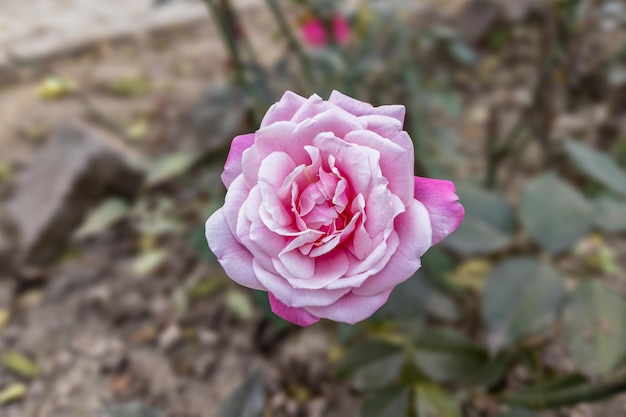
pixel 298 316
pixel 235 259
pixel 351 308
pixel 359 108
pixel 232 168
pixel 439 198
pixel 414 231
pixel 284 109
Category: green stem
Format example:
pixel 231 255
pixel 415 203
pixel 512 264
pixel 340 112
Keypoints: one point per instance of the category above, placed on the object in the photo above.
pixel 582 393
pixel 229 41
pixel 292 41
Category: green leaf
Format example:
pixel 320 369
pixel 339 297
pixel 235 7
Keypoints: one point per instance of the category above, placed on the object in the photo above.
pixel 13 392
pixel 131 410
pixel 19 364
pixel 415 297
pixel 595 328
pixel 522 296
pixel 148 262
pixel 598 166
pixel 170 167
pixel 371 364
pixel 610 214
pixel 238 302
pixel 390 401
pixel 103 217
pixel 246 401
pixel 554 213
pixel 448 356
pixel 488 223
pixel 432 400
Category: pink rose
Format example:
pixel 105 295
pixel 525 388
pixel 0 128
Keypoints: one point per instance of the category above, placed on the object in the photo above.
pixel 323 211
pixel 314 33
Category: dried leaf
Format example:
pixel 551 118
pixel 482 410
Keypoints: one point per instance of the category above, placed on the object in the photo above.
pixel 19 364
pixel 13 392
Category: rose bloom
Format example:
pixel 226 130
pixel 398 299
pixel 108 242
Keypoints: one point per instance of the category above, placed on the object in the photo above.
pixel 314 33
pixel 323 210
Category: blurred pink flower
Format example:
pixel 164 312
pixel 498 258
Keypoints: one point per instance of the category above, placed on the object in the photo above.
pixel 323 210
pixel 314 33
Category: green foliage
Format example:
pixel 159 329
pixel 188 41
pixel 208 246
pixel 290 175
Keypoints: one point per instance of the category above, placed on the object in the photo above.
pixel 390 401
pixel 522 296
pixel 597 166
pixel 610 214
pixel 595 328
pixel 554 213
pixel 372 364
pixel 488 224
pixel 246 401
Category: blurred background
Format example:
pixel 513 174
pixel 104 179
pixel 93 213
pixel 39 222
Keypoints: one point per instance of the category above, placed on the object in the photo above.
pixel 115 121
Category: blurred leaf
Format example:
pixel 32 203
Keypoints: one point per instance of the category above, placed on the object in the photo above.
pixel 472 274
pixel 206 287
pixel 138 129
pixel 131 86
pixel 598 166
pixel 488 223
pixel 390 401
pixel 239 304
pixel 598 254
pixel 517 412
pixel 55 87
pixel 198 241
pixel 103 217
pixel 415 297
pixel 595 328
pixel 462 53
pixel 5 315
pixel 6 172
pixel 554 213
pixel 610 214
pixel 371 364
pixel 19 364
pixel 433 400
pixel 246 401
pixel 148 262
pixel 170 167
pixel 13 392
pixel 448 356
pixel 522 296
pixel 475 237
pixel 131 410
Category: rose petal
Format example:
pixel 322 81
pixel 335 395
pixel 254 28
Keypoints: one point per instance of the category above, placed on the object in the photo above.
pixel 342 155
pixel 396 162
pixel 351 308
pixel 284 109
pixel 234 258
pixel 298 316
pixel 233 168
pixel 414 230
pixel 359 108
pixel 439 198
pixel 295 297
pixel 273 138
pixel 335 120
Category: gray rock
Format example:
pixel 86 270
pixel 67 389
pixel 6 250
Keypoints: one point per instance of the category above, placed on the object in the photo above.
pixel 76 168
